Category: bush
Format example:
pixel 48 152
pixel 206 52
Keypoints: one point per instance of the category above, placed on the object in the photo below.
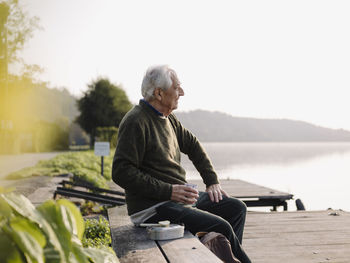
pixel 97 233
pixel 84 166
pixel 50 233
pixel 90 207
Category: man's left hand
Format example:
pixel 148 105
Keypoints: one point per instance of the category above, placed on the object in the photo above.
pixel 215 193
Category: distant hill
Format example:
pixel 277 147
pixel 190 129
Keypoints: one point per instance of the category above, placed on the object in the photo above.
pixel 221 127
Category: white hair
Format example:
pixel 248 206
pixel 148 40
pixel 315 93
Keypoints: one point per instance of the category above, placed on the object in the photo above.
pixel 156 77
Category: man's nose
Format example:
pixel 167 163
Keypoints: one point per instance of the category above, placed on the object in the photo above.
pixel 181 92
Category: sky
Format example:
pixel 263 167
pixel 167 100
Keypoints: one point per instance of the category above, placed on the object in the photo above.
pixel 261 59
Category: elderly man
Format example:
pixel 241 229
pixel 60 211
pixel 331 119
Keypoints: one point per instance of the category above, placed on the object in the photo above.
pixel 147 164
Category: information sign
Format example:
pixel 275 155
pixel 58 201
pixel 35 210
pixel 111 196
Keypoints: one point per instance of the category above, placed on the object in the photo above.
pixel 102 148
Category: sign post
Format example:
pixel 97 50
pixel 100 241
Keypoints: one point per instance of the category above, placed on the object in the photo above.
pixel 101 149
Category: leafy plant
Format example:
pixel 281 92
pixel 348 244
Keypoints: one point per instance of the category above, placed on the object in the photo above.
pixel 97 233
pixel 50 233
pixel 90 207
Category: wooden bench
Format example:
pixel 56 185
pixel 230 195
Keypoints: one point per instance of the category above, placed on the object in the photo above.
pixel 132 244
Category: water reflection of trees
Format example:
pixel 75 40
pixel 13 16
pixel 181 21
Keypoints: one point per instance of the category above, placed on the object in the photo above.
pixel 224 155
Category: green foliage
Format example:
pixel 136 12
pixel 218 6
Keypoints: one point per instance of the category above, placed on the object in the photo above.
pixel 51 136
pixel 107 134
pixel 97 233
pixel 40 117
pixel 102 105
pixel 85 166
pixel 20 27
pixel 77 137
pixel 90 207
pixel 50 233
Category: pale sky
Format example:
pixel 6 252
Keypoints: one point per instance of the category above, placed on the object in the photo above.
pixel 262 59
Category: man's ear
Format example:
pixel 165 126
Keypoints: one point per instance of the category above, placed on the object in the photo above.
pixel 158 94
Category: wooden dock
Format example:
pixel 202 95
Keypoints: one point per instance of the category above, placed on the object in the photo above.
pixel 272 237
pixel 288 237
pixel 298 237
pixel 252 194
pixel 295 237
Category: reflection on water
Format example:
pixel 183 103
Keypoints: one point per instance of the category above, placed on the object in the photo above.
pixel 318 173
pixel 228 155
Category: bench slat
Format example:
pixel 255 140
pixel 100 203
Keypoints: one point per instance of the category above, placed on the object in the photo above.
pixel 130 243
pixel 187 250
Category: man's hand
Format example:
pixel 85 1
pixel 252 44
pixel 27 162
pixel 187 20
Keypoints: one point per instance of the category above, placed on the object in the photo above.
pixel 215 192
pixel 184 194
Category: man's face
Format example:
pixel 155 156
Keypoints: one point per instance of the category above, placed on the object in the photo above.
pixel 170 97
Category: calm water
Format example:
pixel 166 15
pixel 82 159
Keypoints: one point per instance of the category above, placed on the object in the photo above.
pixel 317 173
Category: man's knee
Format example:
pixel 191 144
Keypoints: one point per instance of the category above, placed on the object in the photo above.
pixel 237 206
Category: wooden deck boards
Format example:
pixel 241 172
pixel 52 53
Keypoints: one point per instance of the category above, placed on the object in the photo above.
pixel 234 187
pixel 243 189
pixel 295 237
pixel 298 237
pixel 132 244
pixel 252 194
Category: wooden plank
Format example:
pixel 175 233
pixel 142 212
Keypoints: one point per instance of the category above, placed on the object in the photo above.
pixel 242 189
pixel 130 243
pixel 188 249
pixel 236 188
pixel 118 216
pixel 133 245
pixel 253 195
pixel 298 237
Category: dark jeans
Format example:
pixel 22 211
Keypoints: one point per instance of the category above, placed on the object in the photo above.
pixel 226 217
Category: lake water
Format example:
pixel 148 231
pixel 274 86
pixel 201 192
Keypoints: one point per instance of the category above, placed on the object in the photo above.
pixel 317 173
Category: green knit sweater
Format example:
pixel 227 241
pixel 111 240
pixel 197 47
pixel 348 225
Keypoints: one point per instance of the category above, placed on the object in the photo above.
pixel 147 158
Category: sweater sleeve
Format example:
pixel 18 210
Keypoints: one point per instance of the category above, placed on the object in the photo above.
pixel 127 160
pixel 190 145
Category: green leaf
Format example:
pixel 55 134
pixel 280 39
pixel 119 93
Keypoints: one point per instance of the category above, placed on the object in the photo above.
pixel 48 210
pixel 52 255
pixel 101 255
pixel 21 205
pixel 9 252
pixel 24 225
pixel 5 209
pixel 29 246
pixel 67 220
pixel 78 255
pixel 60 238
pixel 73 211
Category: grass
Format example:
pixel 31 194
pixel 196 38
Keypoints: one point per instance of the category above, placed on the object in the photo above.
pixel 83 165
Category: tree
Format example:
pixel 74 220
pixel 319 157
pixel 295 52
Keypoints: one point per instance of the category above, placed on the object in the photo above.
pixel 17 28
pixel 102 105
